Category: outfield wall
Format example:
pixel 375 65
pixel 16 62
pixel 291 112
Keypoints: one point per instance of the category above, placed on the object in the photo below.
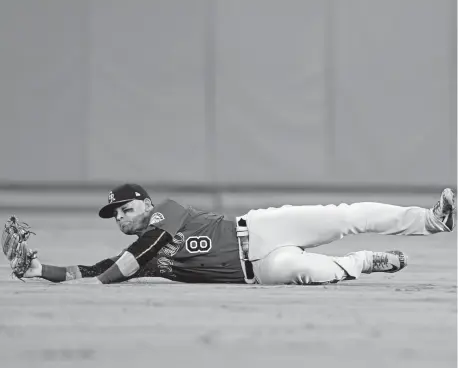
pixel 236 93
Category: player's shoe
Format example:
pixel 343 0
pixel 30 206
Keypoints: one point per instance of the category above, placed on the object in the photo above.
pixel 445 209
pixel 390 261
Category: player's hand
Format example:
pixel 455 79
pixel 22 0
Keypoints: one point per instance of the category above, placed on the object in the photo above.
pixel 34 270
pixel 85 281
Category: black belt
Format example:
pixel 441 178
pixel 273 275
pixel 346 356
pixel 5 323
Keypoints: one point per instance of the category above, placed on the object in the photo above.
pixel 249 269
pixel 249 273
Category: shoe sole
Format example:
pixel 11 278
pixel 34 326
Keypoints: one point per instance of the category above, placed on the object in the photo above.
pixel 449 207
pixel 449 199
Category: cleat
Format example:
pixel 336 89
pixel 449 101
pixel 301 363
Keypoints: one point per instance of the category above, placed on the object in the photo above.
pixel 390 261
pixel 445 209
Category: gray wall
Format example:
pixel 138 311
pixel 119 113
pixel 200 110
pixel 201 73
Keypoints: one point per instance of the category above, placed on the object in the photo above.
pixel 44 58
pixel 284 92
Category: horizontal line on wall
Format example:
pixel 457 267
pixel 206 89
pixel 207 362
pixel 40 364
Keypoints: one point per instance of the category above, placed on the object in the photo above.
pixel 12 209
pixel 228 188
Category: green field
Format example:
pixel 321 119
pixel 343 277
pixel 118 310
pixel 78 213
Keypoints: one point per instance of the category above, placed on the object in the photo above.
pixel 382 320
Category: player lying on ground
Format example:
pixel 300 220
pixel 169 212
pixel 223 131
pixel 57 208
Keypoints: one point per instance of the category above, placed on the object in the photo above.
pixel 265 246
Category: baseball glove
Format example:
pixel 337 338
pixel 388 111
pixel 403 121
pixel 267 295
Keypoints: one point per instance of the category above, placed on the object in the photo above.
pixel 14 245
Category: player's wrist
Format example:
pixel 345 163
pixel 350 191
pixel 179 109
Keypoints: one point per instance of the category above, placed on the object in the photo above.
pixel 53 273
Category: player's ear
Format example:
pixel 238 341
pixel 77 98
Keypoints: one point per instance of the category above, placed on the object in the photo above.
pixel 148 204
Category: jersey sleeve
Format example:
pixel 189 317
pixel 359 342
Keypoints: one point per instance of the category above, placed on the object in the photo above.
pixel 169 216
pixel 136 256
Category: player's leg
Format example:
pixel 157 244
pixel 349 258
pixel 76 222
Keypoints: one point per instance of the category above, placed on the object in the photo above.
pixel 292 265
pixel 311 226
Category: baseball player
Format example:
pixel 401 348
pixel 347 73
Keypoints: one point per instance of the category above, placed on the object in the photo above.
pixel 264 246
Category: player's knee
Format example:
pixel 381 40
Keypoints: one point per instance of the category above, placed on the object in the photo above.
pixel 279 266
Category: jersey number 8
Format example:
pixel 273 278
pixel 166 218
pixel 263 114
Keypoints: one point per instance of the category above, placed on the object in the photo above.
pixel 198 244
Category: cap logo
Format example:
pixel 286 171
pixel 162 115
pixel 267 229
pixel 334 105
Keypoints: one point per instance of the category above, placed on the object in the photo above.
pixel 111 197
pixel 137 194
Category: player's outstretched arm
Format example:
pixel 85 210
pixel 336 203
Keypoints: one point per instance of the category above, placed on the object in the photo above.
pixel 136 256
pixel 125 266
pixel 25 264
pixel 61 274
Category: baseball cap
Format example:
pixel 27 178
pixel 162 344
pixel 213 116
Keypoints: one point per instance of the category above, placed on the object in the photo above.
pixel 120 195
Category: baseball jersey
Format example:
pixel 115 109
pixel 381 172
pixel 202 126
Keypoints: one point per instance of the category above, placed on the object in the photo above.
pixel 204 246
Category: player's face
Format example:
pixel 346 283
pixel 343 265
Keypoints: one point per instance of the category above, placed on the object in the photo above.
pixel 132 217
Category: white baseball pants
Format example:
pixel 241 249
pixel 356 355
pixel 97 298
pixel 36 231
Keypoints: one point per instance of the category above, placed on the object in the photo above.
pixel 278 237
